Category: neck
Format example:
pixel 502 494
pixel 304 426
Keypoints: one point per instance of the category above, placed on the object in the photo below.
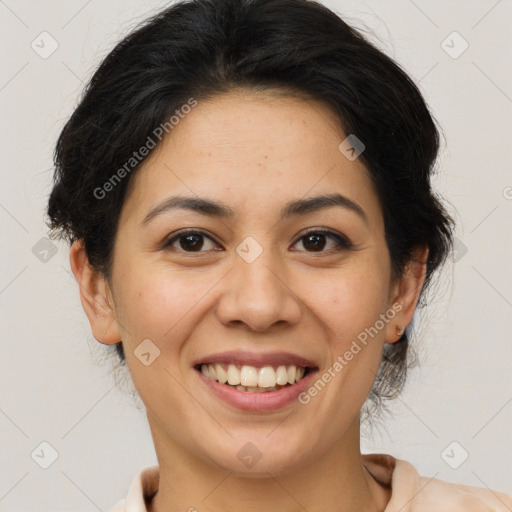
pixel 336 481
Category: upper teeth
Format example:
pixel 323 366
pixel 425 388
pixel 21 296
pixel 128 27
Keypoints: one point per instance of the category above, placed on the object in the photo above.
pixel 264 377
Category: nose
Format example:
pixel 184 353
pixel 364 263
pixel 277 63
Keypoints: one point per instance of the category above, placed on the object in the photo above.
pixel 259 295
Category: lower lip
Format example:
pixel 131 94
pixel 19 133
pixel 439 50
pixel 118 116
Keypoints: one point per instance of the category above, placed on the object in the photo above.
pixel 257 402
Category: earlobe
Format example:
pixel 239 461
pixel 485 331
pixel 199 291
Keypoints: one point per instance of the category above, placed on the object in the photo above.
pixel 406 291
pixel 95 296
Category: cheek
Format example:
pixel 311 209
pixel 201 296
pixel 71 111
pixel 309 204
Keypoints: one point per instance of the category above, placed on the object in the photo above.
pixel 350 300
pixel 155 305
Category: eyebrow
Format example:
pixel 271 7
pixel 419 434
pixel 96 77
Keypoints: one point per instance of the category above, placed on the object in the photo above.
pixel 222 211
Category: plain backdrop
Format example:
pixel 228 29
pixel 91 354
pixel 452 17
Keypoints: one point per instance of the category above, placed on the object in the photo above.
pixel 457 404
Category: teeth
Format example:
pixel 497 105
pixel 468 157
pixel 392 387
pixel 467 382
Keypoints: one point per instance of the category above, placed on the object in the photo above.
pixel 233 375
pixel 249 376
pixel 292 373
pixel 222 376
pixel 267 377
pixel 255 389
pixel 253 379
pixel 282 375
pixel 212 372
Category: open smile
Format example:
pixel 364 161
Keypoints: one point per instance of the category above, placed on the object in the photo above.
pixel 256 382
pixel 252 379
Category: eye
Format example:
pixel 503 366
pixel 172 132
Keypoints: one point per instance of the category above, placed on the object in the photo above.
pixel 315 241
pixel 189 241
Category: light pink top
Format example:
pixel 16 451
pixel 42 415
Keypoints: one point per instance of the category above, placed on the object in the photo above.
pixel 410 492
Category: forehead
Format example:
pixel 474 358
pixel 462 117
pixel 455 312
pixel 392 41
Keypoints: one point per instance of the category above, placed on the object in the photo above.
pixel 252 151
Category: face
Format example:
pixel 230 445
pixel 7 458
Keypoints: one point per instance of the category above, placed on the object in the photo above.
pixel 261 286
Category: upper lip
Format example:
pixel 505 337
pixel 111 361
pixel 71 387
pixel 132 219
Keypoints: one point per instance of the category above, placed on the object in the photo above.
pixel 255 359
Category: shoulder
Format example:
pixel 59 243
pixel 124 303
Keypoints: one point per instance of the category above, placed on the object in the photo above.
pixel 412 492
pixel 447 496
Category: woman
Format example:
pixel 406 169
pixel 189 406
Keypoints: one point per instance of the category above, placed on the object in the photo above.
pixel 246 189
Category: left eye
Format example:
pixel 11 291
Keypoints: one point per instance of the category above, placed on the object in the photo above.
pixel 313 241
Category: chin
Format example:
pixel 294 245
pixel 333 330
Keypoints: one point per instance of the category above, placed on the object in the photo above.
pixel 257 456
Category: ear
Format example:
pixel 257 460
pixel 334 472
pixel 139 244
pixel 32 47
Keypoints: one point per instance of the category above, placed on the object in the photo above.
pixel 95 295
pixel 406 291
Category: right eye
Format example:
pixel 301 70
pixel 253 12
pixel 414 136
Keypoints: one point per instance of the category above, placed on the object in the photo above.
pixel 189 241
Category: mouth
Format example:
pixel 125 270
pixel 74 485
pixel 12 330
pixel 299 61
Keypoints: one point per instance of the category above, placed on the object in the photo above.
pixel 255 382
pixel 254 379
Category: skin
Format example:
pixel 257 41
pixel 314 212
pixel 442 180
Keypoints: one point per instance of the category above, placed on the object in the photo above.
pixel 254 152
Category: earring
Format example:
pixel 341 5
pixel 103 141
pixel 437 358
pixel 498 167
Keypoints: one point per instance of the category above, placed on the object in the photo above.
pixel 400 329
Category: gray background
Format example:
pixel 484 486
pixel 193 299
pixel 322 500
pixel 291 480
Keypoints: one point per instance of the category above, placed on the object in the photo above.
pixel 55 390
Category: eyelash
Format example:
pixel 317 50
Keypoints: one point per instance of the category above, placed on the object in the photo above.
pixel 343 243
